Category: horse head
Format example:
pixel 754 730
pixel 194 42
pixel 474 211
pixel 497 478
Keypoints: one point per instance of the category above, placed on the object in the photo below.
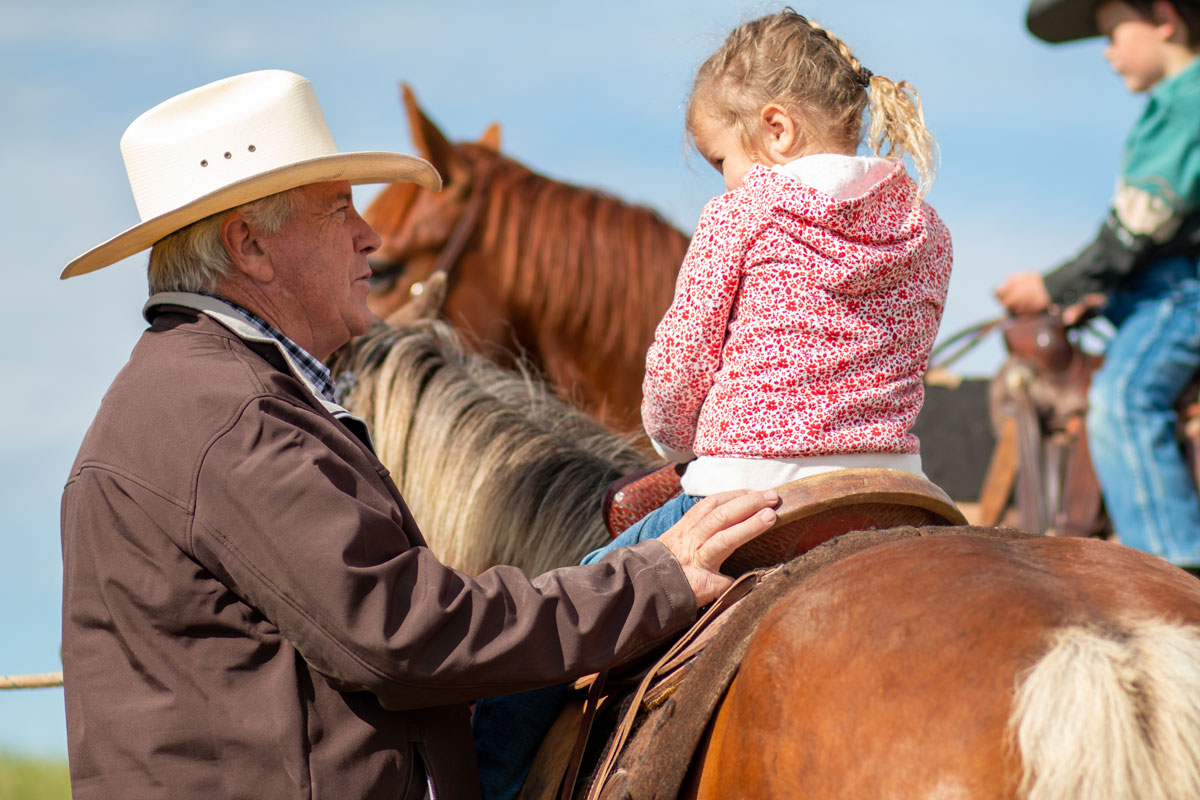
pixel 417 226
pixel 567 279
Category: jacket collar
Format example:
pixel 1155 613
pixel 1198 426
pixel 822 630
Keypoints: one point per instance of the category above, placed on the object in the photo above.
pixel 228 317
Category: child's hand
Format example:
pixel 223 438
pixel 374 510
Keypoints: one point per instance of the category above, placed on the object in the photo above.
pixel 1024 293
pixel 1074 314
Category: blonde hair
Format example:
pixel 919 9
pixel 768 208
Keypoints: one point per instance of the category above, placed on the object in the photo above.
pixel 789 60
pixel 193 259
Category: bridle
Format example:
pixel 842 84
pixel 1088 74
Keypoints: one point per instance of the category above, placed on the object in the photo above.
pixel 464 229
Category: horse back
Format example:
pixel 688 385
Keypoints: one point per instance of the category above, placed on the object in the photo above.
pixel 892 672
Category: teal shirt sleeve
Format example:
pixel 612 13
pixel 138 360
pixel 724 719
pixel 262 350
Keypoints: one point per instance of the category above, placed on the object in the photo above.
pixel 1154 211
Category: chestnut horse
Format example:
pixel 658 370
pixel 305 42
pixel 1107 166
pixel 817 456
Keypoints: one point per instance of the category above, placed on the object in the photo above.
pixel 570 278
pixel 951 665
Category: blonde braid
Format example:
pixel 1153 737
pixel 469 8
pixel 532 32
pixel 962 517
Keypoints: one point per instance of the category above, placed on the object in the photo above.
pixel 896 115
pixel 898 119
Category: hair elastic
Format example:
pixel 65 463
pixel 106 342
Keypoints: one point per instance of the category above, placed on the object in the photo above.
pixel 865 75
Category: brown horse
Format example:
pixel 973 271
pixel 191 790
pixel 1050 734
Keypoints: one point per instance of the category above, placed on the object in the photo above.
pixel 570 278
pixel 952 663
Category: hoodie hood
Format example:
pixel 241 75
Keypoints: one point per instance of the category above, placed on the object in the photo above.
pixel 839 176
pixel 865 216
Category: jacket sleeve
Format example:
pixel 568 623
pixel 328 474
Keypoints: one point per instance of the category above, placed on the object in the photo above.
pixel 686 352
pixel 319 547
pixel 1109 258
pixel 1154 210
pixel 1116 253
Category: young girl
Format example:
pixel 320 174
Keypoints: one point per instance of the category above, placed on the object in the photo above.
pixel 805 309
pixel 811 293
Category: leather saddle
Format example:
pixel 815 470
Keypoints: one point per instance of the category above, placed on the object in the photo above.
pixel 1038 405
pixel 1038 402
pixel 813 509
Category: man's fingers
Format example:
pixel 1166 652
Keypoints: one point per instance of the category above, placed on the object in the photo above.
pixel 707 505
pixel 719 511
pixel 720 546
pixel 712 530
pixel 727 522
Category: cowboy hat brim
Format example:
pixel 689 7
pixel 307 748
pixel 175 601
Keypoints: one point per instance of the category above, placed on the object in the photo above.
pixel 357 168
pixel 1057 21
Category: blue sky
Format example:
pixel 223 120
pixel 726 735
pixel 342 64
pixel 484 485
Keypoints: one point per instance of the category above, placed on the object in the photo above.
pixel 1030 139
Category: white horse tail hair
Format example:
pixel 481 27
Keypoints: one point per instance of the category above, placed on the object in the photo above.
pixel 1112 713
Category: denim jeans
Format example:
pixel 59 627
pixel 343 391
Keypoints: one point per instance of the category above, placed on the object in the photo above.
pixel 1148 489
pixel 651 526
pixel 508 730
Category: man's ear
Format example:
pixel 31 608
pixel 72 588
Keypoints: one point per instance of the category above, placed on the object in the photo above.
pixel 780 131
pixel 244 249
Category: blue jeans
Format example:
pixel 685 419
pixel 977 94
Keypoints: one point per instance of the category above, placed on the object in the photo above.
pixel 651 526
pixel 508 730
pixel 1148 490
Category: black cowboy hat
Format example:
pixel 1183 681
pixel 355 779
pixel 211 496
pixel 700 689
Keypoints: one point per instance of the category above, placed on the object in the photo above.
pixel 1057 21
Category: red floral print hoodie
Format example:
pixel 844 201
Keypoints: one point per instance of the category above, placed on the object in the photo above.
pixel 802 320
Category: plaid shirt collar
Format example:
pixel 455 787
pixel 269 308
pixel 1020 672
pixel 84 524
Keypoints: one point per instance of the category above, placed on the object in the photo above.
pixel 316 372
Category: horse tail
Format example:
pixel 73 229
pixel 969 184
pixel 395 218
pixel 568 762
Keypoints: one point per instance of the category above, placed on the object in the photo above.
pixel 1112 713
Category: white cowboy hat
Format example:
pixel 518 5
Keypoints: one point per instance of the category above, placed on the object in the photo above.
pixel 228 143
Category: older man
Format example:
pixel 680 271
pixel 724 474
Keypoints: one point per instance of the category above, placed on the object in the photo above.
pixel 249 608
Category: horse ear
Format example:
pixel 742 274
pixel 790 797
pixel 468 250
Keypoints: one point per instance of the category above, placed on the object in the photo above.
pixel 431 144
pixel 491 137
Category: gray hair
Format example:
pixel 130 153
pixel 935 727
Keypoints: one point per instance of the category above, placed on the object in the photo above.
pixel 193 259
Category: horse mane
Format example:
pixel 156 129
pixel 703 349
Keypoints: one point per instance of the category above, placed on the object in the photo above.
pixel 495 468
pixel 558 243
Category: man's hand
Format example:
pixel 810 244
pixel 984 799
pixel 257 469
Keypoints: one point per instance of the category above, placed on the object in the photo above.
pixel 710 532
pixel 1024 293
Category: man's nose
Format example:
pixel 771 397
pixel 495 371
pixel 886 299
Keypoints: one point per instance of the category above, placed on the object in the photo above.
pixel 368 240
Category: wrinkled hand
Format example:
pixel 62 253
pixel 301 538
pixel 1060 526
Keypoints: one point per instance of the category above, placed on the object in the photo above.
pixel 1024 293
pixel 710 532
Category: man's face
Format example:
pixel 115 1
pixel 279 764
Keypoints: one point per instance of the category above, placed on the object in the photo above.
pixel 320 263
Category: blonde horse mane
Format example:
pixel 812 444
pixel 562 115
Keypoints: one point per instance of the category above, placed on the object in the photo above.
pixel 495 468
pixel 556 243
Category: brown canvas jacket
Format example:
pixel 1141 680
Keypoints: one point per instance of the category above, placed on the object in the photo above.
pixel 249 609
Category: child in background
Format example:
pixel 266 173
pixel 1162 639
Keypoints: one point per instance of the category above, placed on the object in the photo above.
pixel 1146 259
pixel 811 293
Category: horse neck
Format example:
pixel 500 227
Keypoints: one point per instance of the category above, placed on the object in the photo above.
pixel 583 268
pixel 494 468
